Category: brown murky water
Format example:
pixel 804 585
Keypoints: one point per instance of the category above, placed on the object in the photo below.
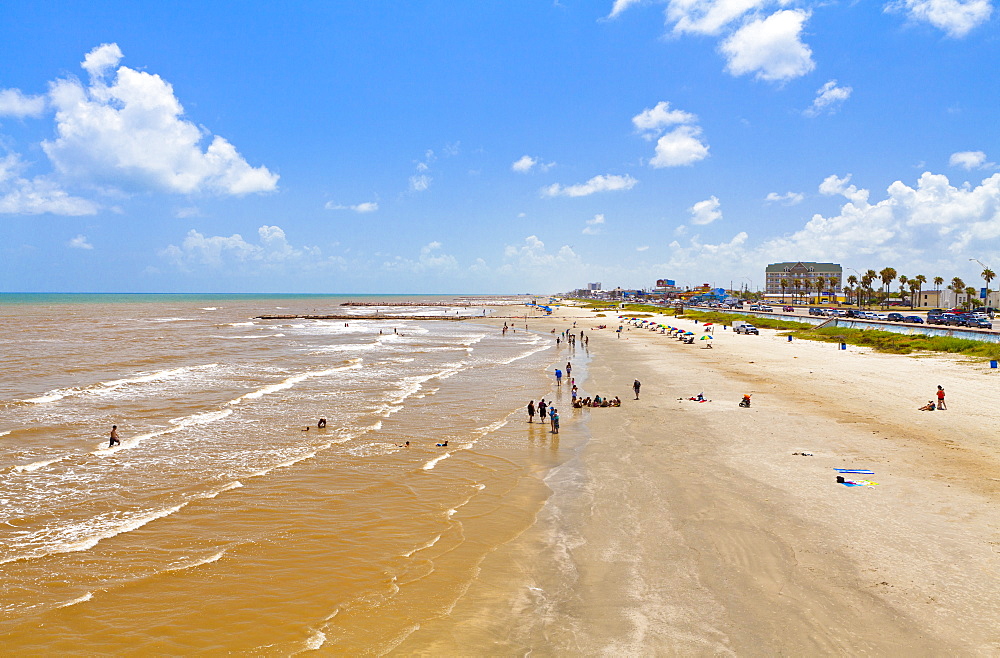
pixel 219 524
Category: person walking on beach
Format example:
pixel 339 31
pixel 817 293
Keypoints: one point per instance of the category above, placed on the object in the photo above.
pixel 558 377
pixel 542 408
pixel 635 387
pixel 569 369
pixel 940 396
pixel 531 411
pixel 115 441
pixel 555 421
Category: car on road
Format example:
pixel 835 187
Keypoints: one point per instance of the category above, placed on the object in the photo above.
pixel 978 323
pixel 895 317
pixel 913 319
pixel 788 309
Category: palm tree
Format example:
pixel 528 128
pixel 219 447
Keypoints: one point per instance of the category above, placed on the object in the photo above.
pixel 914 287
pixel 921 280
pixel 820 283
pixel 938 282
pixel 796 288
pixel 902 285
pixel 852 281
pixel 834 284
pixel 958 287
pixel 970 299
pixel 871 275
pixel 784 284
pixel 988 275
pixel 887 275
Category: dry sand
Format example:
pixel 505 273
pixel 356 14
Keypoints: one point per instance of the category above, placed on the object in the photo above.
pixel 693 528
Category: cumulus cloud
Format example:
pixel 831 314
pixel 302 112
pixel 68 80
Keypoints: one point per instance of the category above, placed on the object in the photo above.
pixel 128 126
pixel 366 207
pixel 15 104
pixel 970 160
pixel 705 212
pixel 644 247
pixel 432 259
pixel 834 185
pixel 828 99
pixel 679 147
pixel 770 48
pixel 787 199
pixel 609 183
pixel 36 196
pixel 621 5
pixel 532 256
pixel 526 163
pixel 420 182
pixel 955 17
pixel 217 252
pixel 80 242
pixel 593 226
pixel 708 16
pixel 651 122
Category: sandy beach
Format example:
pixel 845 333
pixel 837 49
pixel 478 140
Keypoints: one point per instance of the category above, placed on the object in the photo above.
pixel 694 528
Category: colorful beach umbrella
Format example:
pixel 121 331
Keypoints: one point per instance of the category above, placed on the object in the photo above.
pixel 706 338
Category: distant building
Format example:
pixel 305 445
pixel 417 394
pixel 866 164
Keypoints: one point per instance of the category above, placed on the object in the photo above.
pixel 594 286
pixel 807 273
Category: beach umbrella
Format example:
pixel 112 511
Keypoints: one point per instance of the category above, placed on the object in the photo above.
pixel 706 338
pixel 689 333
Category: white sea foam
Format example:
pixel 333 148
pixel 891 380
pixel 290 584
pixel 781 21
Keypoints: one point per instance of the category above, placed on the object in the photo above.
pixel 315 641
pixel 34 466
pixel 209 308
pixel 423 547
pixel 429 466
pixel 197 562
pixel 79 599
pixel 109 386
pixel 5 433
pixel 292 381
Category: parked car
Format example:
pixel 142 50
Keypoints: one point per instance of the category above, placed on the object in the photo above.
pixel 895 317
pixel 978 323
pixel 788 309
pixel 815 311
pixel 743 327
pixel 913 319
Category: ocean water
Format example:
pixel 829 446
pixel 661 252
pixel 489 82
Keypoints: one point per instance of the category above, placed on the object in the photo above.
pixel 220 523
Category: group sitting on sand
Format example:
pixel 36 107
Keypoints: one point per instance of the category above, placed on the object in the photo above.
pixel 597 401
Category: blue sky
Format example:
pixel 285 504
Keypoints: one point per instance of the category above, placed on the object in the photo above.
pixel 438 147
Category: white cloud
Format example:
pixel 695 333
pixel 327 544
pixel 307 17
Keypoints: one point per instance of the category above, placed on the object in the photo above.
pixel 787 199
pixel 593 226
pixel 366 207
pixel 970 160
pixel 221 252
pixel 190 211
pixel 651 122
pixel 80 242
pixel 679 147
pixel 432 259
pixel 36 196
pixel 420 183
pixel 524 165
pixel 955 17
pixel 15 104
pixel 833 185
pixel 127 126
pixel 609 183
pixel 644 247
pixel 705 212
pixel 770 48
pixel 621 5
pixel 533 257
pixel 708 16
pixel 829 98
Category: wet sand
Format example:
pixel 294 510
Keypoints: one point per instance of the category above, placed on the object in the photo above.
pixel 684 527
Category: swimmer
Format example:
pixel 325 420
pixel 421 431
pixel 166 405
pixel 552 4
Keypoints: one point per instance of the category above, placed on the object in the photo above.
pixel 443 445
pixel 321 424
pixel 403 445
pixel 114 437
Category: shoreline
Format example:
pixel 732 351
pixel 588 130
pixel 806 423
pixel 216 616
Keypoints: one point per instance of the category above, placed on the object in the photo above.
pixel 686 527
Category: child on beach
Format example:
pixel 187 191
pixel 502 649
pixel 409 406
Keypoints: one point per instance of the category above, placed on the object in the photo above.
pixel 940 398
pixel 531 411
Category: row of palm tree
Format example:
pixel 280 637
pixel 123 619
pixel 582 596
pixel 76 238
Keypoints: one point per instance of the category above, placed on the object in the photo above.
pixel 821 284
pixel 861 290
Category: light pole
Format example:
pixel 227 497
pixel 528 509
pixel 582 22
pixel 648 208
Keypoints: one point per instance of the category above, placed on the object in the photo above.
pixel 986 302
pixel 751 283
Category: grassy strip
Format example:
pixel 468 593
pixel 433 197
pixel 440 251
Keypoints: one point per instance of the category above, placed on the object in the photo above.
pixel 728 318
pixel 886 341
